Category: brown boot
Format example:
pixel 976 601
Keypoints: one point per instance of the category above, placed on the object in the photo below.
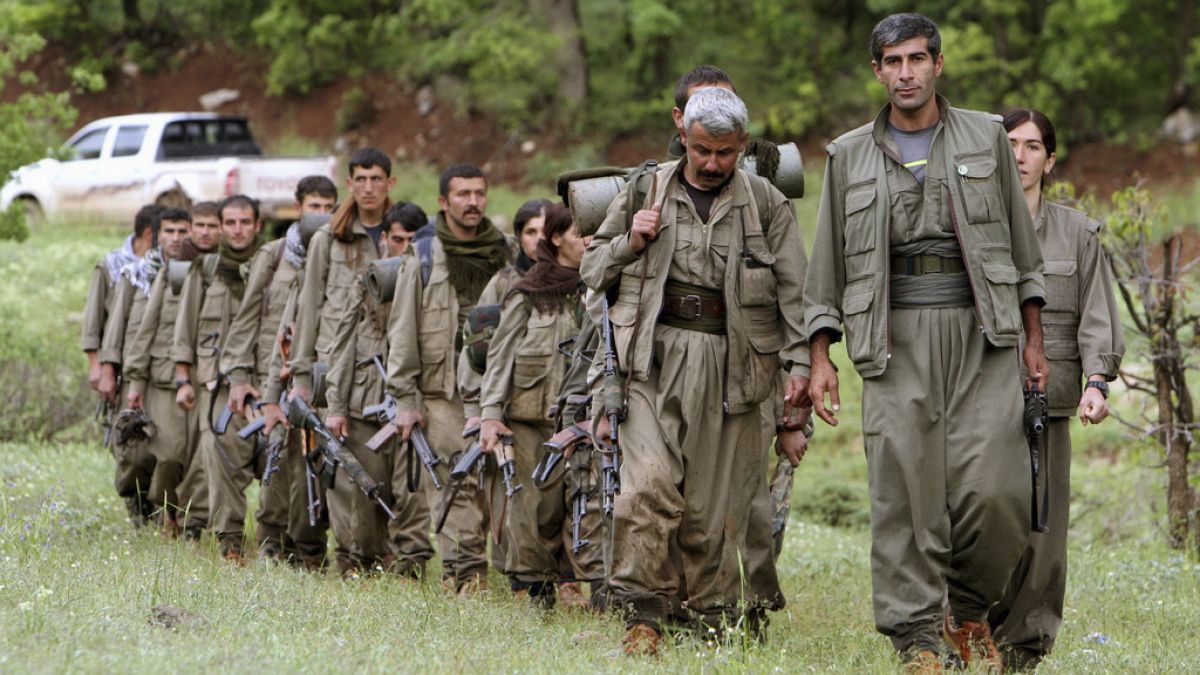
pixel 171 529
pixel 924 661
pixel 234 556
pixel 641 640
pixel 973 641
pixel 472 587
pixel 570 596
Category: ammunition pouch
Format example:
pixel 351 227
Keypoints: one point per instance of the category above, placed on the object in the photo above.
pixel 477 333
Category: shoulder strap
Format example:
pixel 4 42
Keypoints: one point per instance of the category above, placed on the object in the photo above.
pixel 209 269
pixel 762 198
pixel 425 255
pixel 640 180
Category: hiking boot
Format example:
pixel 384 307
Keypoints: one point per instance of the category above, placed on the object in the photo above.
pixel 171 529
pixel 641 640
pixel 269 551
pixel 924 661
pixel 234 556
pixel 136 511
pixel 570 595
pixel 972 640
pixel 472 587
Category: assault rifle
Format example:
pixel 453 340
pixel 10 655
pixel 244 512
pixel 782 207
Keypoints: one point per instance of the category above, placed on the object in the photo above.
pixel 614 410
pixel 571 443
pixel 508 466
pixel 385 412
pixel 335 454
pixel 1037 416
pixel 275 441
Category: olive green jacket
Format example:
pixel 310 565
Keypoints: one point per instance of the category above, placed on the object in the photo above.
pixel 276 384
pixel 124 317
pixel 469 381
pixel 524 367
pixel 251 340
pixel 422 331
pixel 354 381
pixel 202 324
pixel 150 359
pixel 847 283
pixel 95 308
pixel 1080 322
pixel 763 285
pixel 332 269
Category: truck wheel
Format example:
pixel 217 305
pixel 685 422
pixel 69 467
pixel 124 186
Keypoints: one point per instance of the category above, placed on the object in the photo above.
pixel 175 198
pixel 35 217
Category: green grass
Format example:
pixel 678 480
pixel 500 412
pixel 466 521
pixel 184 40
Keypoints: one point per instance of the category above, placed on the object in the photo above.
pixel 77 585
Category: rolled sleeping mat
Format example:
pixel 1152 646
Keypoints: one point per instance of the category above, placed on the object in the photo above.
pixel 589 199
pixel 309 224
pixel 789 175
pixel 177 271
pixel 381 278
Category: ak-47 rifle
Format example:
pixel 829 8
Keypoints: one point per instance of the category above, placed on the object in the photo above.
pixel 507 465
pixel 614 410
pixel 1037 416
pixel 572 443
pixel 106 415
pixel 335 454
pixel 275 441
pixel 385 412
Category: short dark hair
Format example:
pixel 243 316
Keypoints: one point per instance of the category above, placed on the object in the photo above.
pixel 369 157
pixel 240 201
pixel 711 75
pixel 528 211
pixel 315 185
pixel 206 209
pixel 457 171
pixel 175 215
pixel 147 218
pixel 899 28
pixel 410 216
pixel 558 221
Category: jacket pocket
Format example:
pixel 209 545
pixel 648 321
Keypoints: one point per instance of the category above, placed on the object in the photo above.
pixel 980 190
pixel 860 221
pixel 763 364
pixel 1062 285
pixel 756 284
pixel 622 317
pixel 527 402
pixel 162 371
pixel 1002 291
pixel 858 319
pixel 433 370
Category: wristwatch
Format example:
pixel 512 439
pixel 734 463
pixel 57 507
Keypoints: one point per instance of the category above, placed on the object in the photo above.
pixel 1098 384
pixel 179 382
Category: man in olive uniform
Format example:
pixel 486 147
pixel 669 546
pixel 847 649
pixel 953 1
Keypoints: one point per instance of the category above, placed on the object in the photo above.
pixel 706 313
pixel 445 279
pixel 246 360
pixel 167 448
pixel 926 255
pixel 134 463
pixel 208 302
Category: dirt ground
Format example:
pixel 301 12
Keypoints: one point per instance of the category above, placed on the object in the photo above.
pixel 444 136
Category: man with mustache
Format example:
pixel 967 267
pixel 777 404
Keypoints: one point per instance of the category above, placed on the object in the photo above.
pixel 435 290
pixel 926 255
pixel 705 311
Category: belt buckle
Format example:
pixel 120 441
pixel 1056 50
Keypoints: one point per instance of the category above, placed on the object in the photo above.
pixel 685 304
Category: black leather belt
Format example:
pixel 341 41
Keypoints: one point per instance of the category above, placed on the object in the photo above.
pixel 917 265
pixel 693 307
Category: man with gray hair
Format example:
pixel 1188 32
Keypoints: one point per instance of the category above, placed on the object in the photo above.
pixel 705 298
pixel 926 257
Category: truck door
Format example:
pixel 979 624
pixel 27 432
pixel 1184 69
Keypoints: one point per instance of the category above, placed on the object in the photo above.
pixel 119 191
pixel 76 176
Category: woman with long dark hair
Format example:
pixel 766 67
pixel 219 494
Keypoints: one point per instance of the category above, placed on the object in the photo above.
pixel 1082 331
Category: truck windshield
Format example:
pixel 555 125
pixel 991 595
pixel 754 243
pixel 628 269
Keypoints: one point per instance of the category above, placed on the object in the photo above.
pixel 207 138
pixel 90 144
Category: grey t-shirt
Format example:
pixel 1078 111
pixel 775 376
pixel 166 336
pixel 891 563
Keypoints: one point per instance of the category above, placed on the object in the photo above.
pixel 914 149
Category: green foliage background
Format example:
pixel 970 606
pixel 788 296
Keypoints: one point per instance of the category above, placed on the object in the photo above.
pixel 1101 68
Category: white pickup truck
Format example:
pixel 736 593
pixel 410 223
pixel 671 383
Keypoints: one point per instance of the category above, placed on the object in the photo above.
pixel 120 163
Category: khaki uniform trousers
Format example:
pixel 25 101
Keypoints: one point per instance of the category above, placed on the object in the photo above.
pixel 193 489
pixel 230 469
pixel 692 475
pixel 949 474
pixel 304 539
pixel 169 446
pixel 359 525
pixel 462 542
pixel 1028 617
pixel 537 530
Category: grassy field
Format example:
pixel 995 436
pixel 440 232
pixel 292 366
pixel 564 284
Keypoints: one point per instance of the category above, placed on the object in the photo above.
pixel 78 586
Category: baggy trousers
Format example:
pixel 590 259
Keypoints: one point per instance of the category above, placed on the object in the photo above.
pixel 949 474
pixel 359 524
pixel 1031 611
pixel 537 530
pixel 462 542
pixel 170 446
pixel 691 474
pixel 309 540
pixel 193 489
